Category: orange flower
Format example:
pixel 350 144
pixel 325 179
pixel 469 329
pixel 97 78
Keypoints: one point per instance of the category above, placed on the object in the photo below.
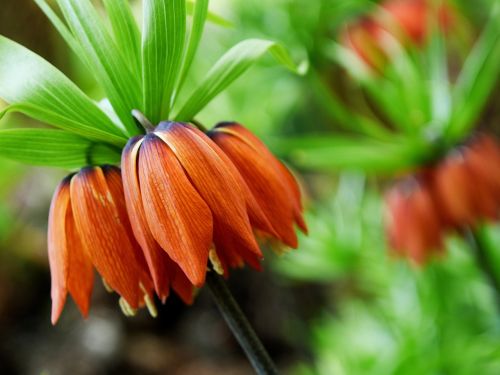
pixel 404 20
pixel 89 227
pixel 185 196
pixel 413 227
pixel 457 193
pixel 453 187
pixel 413 17
pixel 270 182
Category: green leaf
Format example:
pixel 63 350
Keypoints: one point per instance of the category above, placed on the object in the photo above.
pixel 333 153
pixel 230 66
pixel 162 50
pixel 477 78
pixel 63 31
pixel 211 16
pixel 197 25
pixel 410 97
pixel 126 32
pixel 109 66
pixel 54 148
pixel 346 117
pixel 349 60
pixel 34 87
pixel 439 85
pixel 381 90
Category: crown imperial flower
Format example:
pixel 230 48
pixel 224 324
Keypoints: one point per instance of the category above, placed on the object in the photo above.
pixel 184 195
pixel 454 195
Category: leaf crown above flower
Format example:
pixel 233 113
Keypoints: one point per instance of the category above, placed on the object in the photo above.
pixel 137 69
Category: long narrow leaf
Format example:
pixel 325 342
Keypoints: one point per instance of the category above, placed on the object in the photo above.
pixel 126 32
pixel 162 50
pixel 477 78
pixel 402 72
pixel 231 66
pixel 333 153
pixel 33 86
pixel 211 16
pixel 197 25
pixel 439 85
pixel 346 118
pixel 381 91
pixel 63 30
pixel 54 148
pixel 109 66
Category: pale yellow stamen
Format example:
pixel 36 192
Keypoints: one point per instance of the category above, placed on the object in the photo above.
pixel 126 308
pixel 280 249
pixel 216 263
pixel 107 287
pixel 149 302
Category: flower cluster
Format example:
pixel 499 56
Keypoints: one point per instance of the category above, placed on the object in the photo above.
pixel 182 198
pixel 406 21
pixel 453 195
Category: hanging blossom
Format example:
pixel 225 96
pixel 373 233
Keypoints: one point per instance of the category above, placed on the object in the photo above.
pixel 404 21
pixel 185 199
pixel 456 194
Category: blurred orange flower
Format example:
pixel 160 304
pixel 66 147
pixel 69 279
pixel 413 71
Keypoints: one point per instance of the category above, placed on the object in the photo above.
pixel 457 193
pixel 408 21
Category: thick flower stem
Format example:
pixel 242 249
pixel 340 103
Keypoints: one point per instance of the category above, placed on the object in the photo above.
pixel 484 263
pixel 239 325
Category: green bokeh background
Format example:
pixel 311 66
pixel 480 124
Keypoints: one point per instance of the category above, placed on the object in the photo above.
pixel 340 304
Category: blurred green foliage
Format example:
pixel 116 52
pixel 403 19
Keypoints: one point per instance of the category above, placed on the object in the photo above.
pixel 386 316
pixel 382 315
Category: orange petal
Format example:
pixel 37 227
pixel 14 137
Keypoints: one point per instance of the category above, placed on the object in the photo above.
pixel 266 186
pixel 71 270
pixel 483 157
pixel 232 254
pixel 247 136
pixel 258 218
pixel 156 257
pixel 115 185
pixel 178 217
pixel 104 229
pixel 294 187
pixel 413 225
pixel 180 283
pixel 453 189
pixel 290 186
pixel 57 249
pixel 81 271
pixel 215 181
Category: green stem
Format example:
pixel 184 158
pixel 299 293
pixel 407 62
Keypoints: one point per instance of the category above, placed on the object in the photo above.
pixel 484 262
pixel 239 325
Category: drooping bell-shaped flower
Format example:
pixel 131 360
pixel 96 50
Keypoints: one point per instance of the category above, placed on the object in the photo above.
pixel 270 182
pixel 413 227
pixel 185 196
pixel 454 195
pixel 89 228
